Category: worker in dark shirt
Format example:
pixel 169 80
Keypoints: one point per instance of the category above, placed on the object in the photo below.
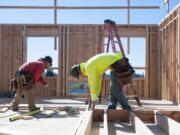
pixel 27 76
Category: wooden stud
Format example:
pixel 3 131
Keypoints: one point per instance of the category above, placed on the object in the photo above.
pixel 63 61
pixel 105 129
pixel 146 92
pixel 59 77
pixel 174 71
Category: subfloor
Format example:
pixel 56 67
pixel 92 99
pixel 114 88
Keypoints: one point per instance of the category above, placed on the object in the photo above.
pixel 53 121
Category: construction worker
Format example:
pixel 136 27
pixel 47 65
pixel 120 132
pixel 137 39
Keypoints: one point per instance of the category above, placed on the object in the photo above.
pixel 26 77
pixel 94 69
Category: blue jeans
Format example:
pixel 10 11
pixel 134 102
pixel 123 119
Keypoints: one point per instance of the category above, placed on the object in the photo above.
pixel 117 95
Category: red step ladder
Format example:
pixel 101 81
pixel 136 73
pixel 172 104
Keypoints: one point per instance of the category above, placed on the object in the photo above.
pixel 110 30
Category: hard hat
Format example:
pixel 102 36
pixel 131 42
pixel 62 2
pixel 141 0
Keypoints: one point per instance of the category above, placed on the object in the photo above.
pixel 48 59
pixel 75 71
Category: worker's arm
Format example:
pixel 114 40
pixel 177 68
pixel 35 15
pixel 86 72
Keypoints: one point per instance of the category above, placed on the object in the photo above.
pixel 37 77
pixel 93 87
pixel 93 84
pixel 42 81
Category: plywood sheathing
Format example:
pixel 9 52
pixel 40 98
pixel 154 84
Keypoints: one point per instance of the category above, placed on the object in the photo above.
pixel 11 54
pixel 48 92
pixel 169 54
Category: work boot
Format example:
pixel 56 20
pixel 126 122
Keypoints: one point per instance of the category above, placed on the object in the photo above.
pixel 34 109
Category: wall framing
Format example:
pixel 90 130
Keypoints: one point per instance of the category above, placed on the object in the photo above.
pixel 169 39
pixel 77 43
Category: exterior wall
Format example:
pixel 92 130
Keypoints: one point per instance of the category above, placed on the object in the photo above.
pixel 77 43
pixel 169 50
pixel 11 53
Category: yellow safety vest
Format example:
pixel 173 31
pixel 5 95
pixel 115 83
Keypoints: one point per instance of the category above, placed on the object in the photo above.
pixel 94 69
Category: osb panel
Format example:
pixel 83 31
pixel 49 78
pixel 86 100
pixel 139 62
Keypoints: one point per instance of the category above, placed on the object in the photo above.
pixel 47 92
pixel 11 56
pixel 5 67
pixel 170 50
pixel 82 45
pixel 17 51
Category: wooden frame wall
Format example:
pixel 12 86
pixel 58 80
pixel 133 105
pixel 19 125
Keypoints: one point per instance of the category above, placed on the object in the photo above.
pixel 11 53
pixel 169 54
pixel 77 43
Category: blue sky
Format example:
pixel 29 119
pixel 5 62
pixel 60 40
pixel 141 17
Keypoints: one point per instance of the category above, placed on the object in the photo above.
pixel 82 16
pixel 35 45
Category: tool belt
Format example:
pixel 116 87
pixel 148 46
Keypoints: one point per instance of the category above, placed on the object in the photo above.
pixel 123 71
pixel 24 79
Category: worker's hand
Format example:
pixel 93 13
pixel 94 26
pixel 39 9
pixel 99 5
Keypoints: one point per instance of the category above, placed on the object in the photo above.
pixel 46 86
pixel 92 105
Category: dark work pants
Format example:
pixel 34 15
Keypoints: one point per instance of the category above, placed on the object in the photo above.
pixel 117 95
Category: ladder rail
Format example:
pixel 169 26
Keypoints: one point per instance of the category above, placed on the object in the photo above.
pixel 110 27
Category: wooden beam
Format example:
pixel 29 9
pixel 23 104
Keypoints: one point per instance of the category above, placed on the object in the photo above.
pixel 85 124
pixel 47 32
pixel 123 116
pixel 60 70
pixel 175 115
pixel 163 27
pixel 105 123
pixel 145 116
pixel 118 115
pixel 79 7
pixel 167 124
pixel 12 132
pixel 24 45
pixel 98 115
pixel 3 109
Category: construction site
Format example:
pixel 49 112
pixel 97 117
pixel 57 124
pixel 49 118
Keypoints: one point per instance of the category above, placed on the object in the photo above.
pixel 153 94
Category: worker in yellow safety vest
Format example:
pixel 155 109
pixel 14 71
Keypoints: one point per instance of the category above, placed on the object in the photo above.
pixel 94 69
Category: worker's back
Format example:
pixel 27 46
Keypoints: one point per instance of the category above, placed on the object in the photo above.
pixel 102 61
